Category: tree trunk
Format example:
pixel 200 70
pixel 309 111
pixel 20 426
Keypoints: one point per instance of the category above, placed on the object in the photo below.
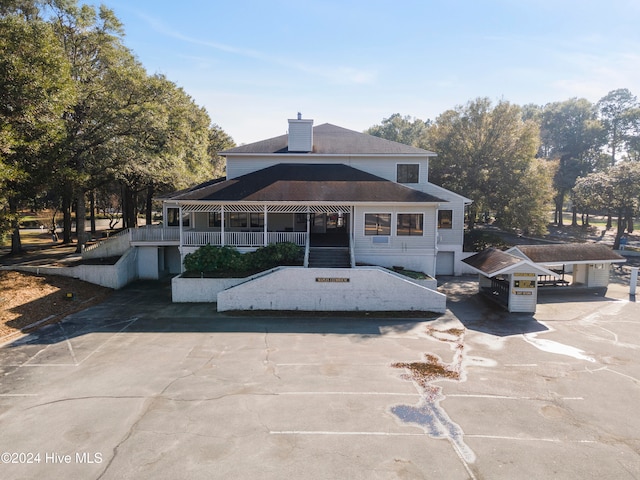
pixel 81 215
pixel 630 223
pixel 574 216
pixel 129 214
pixel 620 230
pixel 16 242
pixel 149 203
pixel 92 212
pixel 66 216
pixel 609 221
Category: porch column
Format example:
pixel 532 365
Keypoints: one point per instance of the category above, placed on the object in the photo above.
pixel 265 230
pixel 222 225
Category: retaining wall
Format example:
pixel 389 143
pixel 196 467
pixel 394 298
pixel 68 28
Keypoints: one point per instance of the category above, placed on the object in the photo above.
pixel 110 276
pixel 331 289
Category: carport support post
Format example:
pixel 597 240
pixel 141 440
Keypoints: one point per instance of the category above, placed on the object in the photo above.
pixel 633 283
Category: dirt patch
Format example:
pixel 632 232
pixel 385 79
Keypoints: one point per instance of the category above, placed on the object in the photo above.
pixel 425 372
pixel 26 299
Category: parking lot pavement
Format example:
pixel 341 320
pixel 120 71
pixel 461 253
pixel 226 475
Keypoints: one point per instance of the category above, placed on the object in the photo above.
pixel 138 387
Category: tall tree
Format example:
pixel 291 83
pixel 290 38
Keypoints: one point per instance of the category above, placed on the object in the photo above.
pixel 218 140
pixel 170 152
pixel 570 133
pixel 618 189
pixel 35 89
pixel 486 152
pixel 106 77
pixel 617 112
pixel 407 130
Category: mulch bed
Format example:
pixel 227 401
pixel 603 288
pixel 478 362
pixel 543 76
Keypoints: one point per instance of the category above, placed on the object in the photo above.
pixel 26 299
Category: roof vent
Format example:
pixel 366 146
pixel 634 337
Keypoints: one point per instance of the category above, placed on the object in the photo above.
pixel 300 135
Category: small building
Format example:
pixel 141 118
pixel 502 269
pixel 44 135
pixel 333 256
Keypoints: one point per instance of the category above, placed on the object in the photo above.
pixel 584 264
pixel 507 279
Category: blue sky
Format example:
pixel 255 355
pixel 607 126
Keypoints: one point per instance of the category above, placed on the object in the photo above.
pixel 254 64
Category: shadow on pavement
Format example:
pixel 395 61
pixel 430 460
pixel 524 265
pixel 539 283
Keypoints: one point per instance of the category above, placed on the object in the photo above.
pixel 144 307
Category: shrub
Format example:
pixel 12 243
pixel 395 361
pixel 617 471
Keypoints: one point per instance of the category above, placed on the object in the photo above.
pixel 210 258
pixel 274 254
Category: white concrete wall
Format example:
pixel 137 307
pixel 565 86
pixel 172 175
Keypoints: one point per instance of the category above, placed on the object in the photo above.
pixel 110 276
pixel 109 247
pixel 148 267
pixel 200 290
pixel 296 288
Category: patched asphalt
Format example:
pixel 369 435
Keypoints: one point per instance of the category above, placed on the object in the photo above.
pixel 138 387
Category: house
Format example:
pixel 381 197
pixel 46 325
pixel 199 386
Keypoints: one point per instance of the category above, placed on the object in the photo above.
pixel 349 199
pixel 363 199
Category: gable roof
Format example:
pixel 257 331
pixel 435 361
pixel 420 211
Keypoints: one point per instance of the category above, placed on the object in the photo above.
pixel 568 253
pixel 306 183
pixel 492 262
pixel 330 139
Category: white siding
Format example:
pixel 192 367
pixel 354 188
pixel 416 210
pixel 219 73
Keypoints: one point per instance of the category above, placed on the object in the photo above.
pixel 599 275
pixel 413 252
pixel 523 299
pixel 300 135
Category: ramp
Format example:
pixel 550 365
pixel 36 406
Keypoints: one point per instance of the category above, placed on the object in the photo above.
pixel 331 289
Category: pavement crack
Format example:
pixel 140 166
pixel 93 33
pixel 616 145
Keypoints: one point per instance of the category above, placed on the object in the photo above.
pixel 271 367
pixel 127 435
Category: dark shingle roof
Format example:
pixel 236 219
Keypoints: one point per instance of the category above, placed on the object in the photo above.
pixel 492 260
pixel 570 252
pixel 332 140
pixel 307 183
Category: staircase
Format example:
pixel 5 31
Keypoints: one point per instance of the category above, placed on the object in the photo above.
pixel 329 257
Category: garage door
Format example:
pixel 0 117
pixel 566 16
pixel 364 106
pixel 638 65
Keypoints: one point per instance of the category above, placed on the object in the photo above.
pixel 444 263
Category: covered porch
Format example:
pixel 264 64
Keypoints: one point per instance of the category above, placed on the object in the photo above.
pixel 251 225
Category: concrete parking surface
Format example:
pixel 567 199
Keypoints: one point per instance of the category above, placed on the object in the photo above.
pixel 139 387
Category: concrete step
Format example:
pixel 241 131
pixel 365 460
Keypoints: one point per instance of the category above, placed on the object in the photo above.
pixel 329 257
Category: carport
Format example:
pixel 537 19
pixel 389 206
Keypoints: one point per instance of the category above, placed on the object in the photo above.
pixel 588 264
pixel 507 279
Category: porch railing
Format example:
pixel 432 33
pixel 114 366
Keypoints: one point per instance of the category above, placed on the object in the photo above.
pixel 242 239
pixel 195 238
pixel 155 234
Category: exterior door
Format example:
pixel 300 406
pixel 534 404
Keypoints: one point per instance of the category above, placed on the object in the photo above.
pixel 319 223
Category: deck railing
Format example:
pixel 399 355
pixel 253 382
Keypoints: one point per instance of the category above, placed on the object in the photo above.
pixel 194 238
pixel 153 233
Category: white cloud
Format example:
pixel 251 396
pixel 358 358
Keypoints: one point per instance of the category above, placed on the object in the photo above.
pixel 335 74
